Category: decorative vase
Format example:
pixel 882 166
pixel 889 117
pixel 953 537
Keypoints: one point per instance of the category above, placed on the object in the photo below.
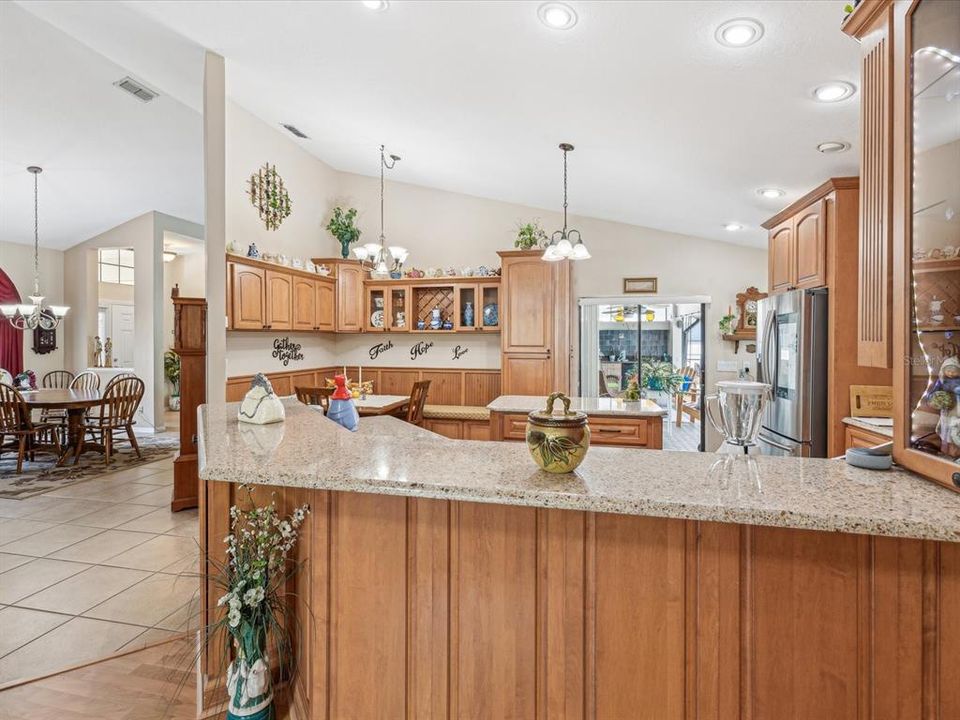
pixel 253 252
pixel 344 249
pixel 436 321
pixel 558 442
pixel 468 313
pixel 342 410
pixel 249 683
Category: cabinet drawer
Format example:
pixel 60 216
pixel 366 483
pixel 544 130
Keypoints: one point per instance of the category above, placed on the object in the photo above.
pixel 614 431
pixel 860 438
pixel 514 427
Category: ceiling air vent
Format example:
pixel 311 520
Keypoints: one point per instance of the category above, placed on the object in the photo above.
pixel 140 92
pixel 295 131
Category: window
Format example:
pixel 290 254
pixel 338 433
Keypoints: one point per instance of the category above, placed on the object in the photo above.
pixel 116 265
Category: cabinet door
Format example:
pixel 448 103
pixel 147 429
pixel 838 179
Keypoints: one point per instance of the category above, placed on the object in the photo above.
pixel 810 237
pixel 528 284
pixel 527 374
pixel 782 251
pixel 279 301
pixel 465 308
pixel 374 317
pixel 398 307
pixel 304 304
pixel 249 298
pixel 326 306
pixel 349 298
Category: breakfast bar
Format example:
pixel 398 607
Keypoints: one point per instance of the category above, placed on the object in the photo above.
pixel 453 578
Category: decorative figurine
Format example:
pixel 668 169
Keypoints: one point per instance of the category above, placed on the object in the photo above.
pixel 27 380
pixel 108 353
pixel 401 319
pixel 97 352
pixel 342 410
pixel 421 325
pixel 260 405
pixel 942 396
pixel 252 251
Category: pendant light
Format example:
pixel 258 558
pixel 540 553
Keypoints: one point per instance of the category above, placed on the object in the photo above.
pixel 561 246
pixel 374 256
pixel 31 317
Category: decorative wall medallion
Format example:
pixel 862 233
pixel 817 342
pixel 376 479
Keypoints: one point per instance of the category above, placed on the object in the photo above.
pixel 377 350
pixel 285 351
pixel 269 196
pixel 459 351
pixel 420 349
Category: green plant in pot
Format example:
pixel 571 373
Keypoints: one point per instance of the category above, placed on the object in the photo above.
pixel 342 228
pixel 726 324
pixel 171 371
pixel 660 375
pixel 530 235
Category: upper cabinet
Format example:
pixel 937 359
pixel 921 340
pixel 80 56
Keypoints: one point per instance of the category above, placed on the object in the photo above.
pixel 279 300
pixel 248 297
pixel 349 297
pixel 798 239
pixel 781 256
pixel 263 296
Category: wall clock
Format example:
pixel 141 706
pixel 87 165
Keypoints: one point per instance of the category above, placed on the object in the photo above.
pixel 747 306
pixel 269 196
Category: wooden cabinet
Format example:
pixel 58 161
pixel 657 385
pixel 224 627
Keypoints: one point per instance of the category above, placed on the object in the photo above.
pixel 798 247
pixel 190 344
pixel 535 323
pixel 279 300
pixel 857 437
pixel 326 305
pixel 350 304
pixel 375 308
pixel 304 304
pixel 249 290
pixel 620 431
pixel 781 256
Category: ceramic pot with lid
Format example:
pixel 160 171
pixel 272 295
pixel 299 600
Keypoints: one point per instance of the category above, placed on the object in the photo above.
pixel 558 442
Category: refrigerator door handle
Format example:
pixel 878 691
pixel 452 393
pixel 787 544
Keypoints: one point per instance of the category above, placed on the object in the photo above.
pixel 773 443
pixel 768 367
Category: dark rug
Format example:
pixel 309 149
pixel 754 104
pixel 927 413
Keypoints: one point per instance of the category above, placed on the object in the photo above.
pixel 44 475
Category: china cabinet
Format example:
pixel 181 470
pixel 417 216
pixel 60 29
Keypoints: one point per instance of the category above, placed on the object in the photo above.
pixel 190 345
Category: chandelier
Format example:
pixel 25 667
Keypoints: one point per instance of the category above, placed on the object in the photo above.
pixel 375 256
pixel 561 246
pixel 31 317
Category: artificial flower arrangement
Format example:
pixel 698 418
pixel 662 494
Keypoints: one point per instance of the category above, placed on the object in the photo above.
pixel 256 571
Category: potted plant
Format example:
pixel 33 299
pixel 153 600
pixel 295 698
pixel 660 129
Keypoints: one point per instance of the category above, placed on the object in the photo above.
pixel 258 616
pixel 530 235
pixel 171 371
pixel 726 324
pixel 342 228
pixel 660 375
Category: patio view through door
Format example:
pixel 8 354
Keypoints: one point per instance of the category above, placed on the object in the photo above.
pixel 657 345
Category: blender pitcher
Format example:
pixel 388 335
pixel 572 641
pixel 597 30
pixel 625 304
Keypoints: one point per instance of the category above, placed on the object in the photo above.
pixel 740 404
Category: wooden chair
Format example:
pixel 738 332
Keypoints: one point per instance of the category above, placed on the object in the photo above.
pixel 28 438
pixel 85 381
pixel 418 398
pixel 59 379
pixel 315 396
pixel 121 398
pixel 688 401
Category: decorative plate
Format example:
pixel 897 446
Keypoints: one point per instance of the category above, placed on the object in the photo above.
pixel 376 319
pixel 491 317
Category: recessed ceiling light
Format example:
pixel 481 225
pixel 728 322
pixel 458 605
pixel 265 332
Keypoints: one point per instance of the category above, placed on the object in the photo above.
pixel 733 227
pixel 833 146
pixel 557 15
pixel 375 4
pixel 833 92
pixel 739 32
pixel 771 193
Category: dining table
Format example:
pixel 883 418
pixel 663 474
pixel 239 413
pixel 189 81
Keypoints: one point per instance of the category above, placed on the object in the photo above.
pixel 74 402
pixel 380 404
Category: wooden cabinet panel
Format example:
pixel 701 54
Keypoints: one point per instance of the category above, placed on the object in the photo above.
pixel 399 382
pixel 480 388
pixel 802 633
pixel 349 298
pixel 527 374
pixel 446 388
pixel 476 430
pixel 514 427
pixel 860 438
pixel 811 253
pixel 326 319
pixel 493 606
pixel 249 297
pixel 447 428
pixel 614 431
pixel 640 643
pixel 279 300
pixel 781 251
pixel 304 304
pixel 528 306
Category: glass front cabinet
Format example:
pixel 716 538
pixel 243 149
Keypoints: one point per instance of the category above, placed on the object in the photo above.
pixel 925 146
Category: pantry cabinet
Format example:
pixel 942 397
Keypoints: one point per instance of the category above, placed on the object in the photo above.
pixel 349 297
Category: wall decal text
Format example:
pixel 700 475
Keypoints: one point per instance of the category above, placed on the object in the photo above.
pixel 420 349
pixel 285 351
pixel 459 351
pixel 377 350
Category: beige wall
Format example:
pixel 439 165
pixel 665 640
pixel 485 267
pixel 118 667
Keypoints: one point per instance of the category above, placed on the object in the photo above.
pixel 16 260
pixel 115 293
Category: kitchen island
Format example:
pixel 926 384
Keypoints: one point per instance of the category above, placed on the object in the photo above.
pixel 449 578
pixel 613 421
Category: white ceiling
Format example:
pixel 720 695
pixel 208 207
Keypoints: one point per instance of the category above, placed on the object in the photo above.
pixel 106 156
pixel 672 130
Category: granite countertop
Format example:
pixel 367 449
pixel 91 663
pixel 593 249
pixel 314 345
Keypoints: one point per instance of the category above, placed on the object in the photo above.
pixel 391 457
pixel 886 431
pixel 591 406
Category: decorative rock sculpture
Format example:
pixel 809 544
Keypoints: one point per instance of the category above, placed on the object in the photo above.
pixel 260 405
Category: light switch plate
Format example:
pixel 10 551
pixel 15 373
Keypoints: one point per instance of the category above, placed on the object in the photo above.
pixel 727 366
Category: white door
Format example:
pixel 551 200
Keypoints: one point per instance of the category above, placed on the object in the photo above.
pixel 121 329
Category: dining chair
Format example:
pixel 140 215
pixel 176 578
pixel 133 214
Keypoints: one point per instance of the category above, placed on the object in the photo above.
pixel 86 380
pixel 418 398
pixel 315 396
pixel 55 379
pixel 121 398
pixel 28 437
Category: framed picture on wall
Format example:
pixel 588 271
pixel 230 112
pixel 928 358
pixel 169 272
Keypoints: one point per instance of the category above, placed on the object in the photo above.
pixel 640 285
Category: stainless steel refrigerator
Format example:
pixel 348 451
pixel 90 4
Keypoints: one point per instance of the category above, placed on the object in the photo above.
pixel 792 358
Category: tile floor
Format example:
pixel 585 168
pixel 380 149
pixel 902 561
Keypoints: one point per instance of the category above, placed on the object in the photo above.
pixel 94 568
pixel 686 437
